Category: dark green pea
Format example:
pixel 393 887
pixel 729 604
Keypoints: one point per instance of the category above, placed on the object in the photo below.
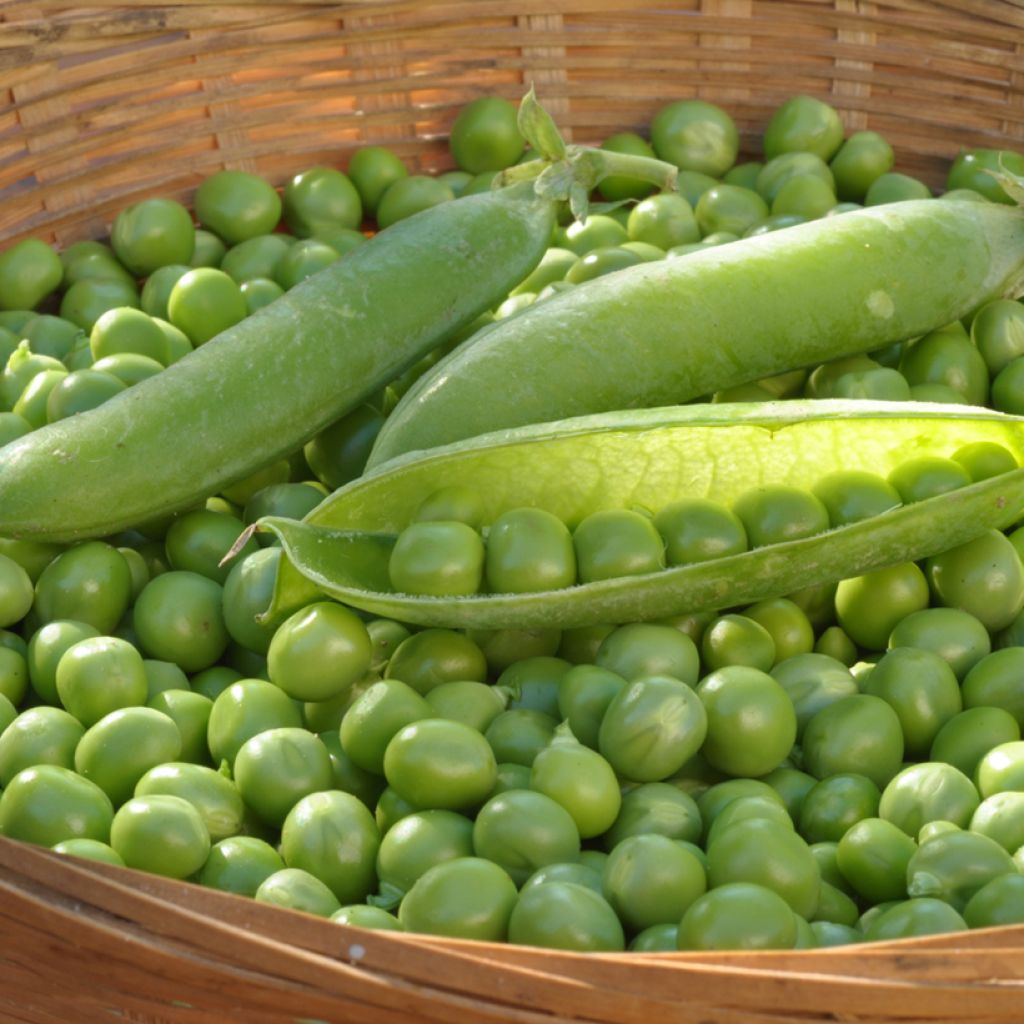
pixel 339 452
pixel 579 646
pixel 437 559
pixel 835 804
pixel 947 357
pixel 921 688
pixel 698 529
pixel 529 549
pixel 584 693
pixel 248 590
pixel 198 541
pixel 864 157
pixel 647 649
pixel 853 495
pixel 212 682
pixel 45 649
pixel 434 656
pixel 617 542
pixel 955 865
pixel 965 739
pixel 1008 387
pixel 190 712
pixel 504 647
pixel 813 681
pixel 518 735
pixel 348 776
pixel 835 643
pixel 792 786
pixel 777 512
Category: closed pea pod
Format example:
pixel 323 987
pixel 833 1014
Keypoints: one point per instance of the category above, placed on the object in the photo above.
pixel 673 330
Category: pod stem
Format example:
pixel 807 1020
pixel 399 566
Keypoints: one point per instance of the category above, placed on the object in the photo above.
pixel 567 172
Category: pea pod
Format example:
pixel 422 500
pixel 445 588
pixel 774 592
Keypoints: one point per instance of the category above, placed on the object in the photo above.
pixel 646 459
pixel 262 388
pixel 670 331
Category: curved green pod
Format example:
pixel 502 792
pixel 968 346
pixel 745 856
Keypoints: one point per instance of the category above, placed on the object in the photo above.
pixel 671 331
pixel 645 459
pixel 263 387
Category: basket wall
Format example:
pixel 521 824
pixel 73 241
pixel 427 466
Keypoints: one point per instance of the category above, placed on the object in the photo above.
pixel 105 104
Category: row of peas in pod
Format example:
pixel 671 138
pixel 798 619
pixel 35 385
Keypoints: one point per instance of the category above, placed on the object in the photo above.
pixel 562 788
pixel 840 765
pixel 448 551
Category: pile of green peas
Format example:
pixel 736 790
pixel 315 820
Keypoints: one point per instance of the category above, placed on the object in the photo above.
pixel 446 551
pixel 838 765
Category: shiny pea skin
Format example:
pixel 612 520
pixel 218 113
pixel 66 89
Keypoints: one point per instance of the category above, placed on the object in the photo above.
pixel 652 727
pixel 529 549
pixel 928 791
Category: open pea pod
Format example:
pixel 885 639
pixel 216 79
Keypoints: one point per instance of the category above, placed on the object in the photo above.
pixel 645 459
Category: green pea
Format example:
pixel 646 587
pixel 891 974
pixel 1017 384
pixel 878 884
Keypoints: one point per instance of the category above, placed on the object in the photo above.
pixel 419 842
pixel 244 710
pixel 529 549
pixel 737 640
pixel 45 649
pixel 803 195
pixel 775 513
pixel 605 259
pixel 504 647
pixel 864 157
pixel 584 693
pixel 213 795
pixel 869 607
pixel 695 135
pixel 190 712
pixel 999 901
pixel 89 583
pixel 872 856
pixel 969 735
pixel 298 889
pixel 994 682
pixel 1001 769
pixel 813 681
pixel 983 577
pixel 804 124
pixel 835 804
pixel 517 735
pixel 617 542
pixel 90 849
pixel 893 187
pixel 437 558
pixel 333 836
pixel 645 649
pixel 928 791
pixel 48 804
pixel 240 864
pixel 100 675
pixel 38 736
pixel 997 331
pixel 860 734
pixel 959 638
pixel 665 220
pixel 375 716
pixel 277 768
pixel 652 727
pixel 698 529
pixel 88 299
pixel 434 656
pixel 954 866
pixel 157 289
pixel 409 195
pixel 921 688
pixel 738 915
pixel 122 746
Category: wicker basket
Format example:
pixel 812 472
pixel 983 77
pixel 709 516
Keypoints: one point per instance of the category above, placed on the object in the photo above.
pixel 105 104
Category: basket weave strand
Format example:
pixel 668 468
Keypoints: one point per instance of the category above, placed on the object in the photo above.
pixel 102 105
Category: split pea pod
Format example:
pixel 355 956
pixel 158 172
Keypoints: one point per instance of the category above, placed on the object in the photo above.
pixel 262 388
pixel 668 332
pixel 643 460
